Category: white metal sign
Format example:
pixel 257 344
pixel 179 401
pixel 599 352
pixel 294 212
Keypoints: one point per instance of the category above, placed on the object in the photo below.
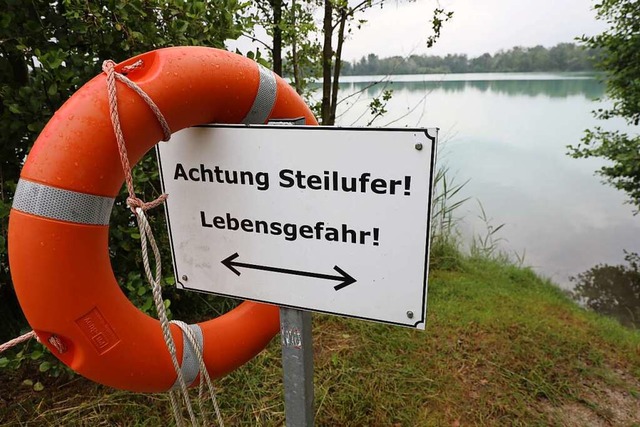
pixel 333 220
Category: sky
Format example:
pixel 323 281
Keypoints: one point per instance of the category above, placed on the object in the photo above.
pixel 478 26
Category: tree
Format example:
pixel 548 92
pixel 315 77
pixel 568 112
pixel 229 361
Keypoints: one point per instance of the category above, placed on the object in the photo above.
pixel 563 57
pixel 306 51
pixel 619 59
pixel 338 17
pixel 293 49
pixel 47 51
pixel 300 60
pixel 268 14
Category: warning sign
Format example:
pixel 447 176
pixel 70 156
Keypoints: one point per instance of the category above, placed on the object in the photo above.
pixel 332 220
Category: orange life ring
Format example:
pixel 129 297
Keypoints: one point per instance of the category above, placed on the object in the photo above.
pixel 58 227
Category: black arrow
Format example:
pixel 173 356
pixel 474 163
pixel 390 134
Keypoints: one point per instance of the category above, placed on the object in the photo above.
pixel 344 278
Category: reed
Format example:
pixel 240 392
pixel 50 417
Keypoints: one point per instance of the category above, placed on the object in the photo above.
pixel 445 237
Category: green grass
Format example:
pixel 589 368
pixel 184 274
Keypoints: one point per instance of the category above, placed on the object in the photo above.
pixel 502 347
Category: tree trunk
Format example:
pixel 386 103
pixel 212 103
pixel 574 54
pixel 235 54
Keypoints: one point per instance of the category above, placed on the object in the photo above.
pixel 327 53
pixel 277 36
pixel 297 78
pixel 336 67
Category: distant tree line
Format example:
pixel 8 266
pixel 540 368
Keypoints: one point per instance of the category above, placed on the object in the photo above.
pixel 563 57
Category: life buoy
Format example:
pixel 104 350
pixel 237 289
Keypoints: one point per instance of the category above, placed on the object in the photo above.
pixel 58 226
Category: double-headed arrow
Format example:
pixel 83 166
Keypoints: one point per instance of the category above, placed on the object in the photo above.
pixel 344 278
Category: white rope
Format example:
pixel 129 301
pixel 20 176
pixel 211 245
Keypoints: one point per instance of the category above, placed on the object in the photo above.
pixel 146 233
pixel 203 373
pixel 139 207
pixel 12 343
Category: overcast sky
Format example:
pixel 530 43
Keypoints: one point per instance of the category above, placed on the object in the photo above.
pixel 478 26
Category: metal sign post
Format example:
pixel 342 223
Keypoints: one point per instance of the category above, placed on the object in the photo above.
pixel 297 366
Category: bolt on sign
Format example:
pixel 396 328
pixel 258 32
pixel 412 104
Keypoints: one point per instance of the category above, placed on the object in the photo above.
pixel 332 220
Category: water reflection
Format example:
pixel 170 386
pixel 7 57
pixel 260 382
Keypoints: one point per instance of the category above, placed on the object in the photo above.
pixel 588 88
pixel 613 290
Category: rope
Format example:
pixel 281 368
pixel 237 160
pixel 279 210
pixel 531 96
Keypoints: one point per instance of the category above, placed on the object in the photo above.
pixel 54 340
pixel 145 232
pixel 109 68
pixel 203 372
pixel 14 342
pixel 139 207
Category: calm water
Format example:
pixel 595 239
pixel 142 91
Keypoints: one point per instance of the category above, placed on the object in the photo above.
pixel 507 134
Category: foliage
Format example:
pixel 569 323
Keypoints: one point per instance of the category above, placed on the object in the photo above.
pixel 35 353
pixel 613 290
pixel 47 51
pixel 307 51
pixel 339 19
pixel 620 61
pixel 378 105
pixel 294 49
pixel 440 16
pixel 563 57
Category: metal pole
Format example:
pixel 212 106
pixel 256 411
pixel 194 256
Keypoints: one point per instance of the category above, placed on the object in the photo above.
pixel 297 365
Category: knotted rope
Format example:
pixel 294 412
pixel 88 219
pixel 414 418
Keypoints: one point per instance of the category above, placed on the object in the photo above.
pixel 108 66
pixel 139 207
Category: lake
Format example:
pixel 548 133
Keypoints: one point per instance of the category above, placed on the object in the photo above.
pixel 507 134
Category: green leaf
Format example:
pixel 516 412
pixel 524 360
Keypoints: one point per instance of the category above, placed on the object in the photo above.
pixel 38 386
pixel 55 63
pixel 5 21
pixel 53 89
pixel 27 382
pixel 37 354
pixel 4 362
pixel 147 305
pixel 44 366
pixel 34 127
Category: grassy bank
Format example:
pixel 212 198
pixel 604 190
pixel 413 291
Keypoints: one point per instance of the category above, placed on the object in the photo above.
pixel 502 347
